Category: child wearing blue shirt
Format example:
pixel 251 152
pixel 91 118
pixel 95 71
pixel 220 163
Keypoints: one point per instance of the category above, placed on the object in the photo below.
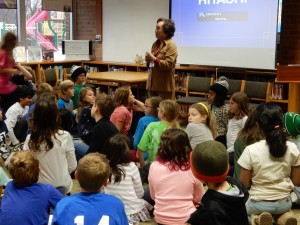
pixel 25 201
pixel 90 206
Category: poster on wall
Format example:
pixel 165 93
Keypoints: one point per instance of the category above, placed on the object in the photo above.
pixel 57 5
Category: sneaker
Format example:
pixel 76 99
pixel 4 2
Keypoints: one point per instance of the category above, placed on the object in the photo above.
pixel 287 219
pixel 264 218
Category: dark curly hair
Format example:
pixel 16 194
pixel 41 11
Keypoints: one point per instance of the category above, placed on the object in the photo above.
pixel 168 26
pixel 174 149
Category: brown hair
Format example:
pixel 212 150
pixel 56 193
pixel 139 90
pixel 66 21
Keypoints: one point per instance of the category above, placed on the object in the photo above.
pixel 105 104
pixel 9 42
pixel 117 152
pixel 154 103
pixel 44 122
pixel 170 110
pixel 24 168
pixel 65 85
pixel 210 121
pixel 43 88
pixel 174 149
pixel 92 172
pixel 121 96
pixel 251 131
pixel 242 101
pixel 81 102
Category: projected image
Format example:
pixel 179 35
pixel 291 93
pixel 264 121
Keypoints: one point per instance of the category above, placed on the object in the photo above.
pixel 228 28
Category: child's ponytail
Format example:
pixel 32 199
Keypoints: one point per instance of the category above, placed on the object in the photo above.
pixel 270 120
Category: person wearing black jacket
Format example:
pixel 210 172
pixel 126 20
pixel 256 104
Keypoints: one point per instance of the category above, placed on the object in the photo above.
pixel 224 201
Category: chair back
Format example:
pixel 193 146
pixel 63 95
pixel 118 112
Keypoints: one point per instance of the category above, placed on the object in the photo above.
pixel 234 86
pixel 198 85
pixel 256 90
pixel 50 76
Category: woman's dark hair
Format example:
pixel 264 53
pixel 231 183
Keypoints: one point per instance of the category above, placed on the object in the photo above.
pixel 168 26
pixel 117 152
pixel 270 120
pixel 174 149
pixel 44 123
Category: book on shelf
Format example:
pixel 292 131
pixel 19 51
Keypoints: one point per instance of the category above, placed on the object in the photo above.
pixel 277 91
pixel 34 54
pixel 48 55
pixel 19 53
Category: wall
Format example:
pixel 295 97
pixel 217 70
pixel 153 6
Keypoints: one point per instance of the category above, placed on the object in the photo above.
pixel 290 33
pixel 89 23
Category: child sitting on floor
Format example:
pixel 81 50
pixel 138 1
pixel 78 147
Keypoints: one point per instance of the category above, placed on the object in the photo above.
pixel 67 92
pixel 173 205
pixel 201 125
pixel 224 201
pixel 25 201
pixel 90 206
pixel 125 181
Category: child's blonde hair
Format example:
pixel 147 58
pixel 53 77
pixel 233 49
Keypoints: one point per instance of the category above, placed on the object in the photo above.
pixel 24 168
pixel 44 87
pixel 65 85
pixel 210 121
pixel 93 171
pixel 242 101
pixel 170 110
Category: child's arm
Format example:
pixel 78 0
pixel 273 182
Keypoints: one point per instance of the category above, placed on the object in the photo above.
pixel 27 75
pixel 245 177
pixel 295 175
pixel 137 183
pixel 9 71
pixel 11 120
pixel 141 158
pixel 70 154
pixel 138 106
pixel 198 191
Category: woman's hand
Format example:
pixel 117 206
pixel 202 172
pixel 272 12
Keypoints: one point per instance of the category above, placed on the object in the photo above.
pixel 149 57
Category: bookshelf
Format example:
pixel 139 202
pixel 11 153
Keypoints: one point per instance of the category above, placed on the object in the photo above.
pixel 289 87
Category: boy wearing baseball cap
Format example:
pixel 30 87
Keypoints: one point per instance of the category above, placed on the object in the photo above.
pixel 224 201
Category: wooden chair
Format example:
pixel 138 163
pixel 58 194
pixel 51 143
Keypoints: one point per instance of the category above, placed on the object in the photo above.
pixel 67 73
pixel 51 77
pixel 257 92
pixel 196 91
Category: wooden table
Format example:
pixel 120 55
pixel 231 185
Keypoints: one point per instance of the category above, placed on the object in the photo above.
pixel 119 77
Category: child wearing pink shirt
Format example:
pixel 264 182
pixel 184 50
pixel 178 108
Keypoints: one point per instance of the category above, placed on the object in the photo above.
pixel 125 104
pixel 173 187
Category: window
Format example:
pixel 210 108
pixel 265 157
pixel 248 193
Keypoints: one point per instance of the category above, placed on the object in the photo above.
pixel 46 29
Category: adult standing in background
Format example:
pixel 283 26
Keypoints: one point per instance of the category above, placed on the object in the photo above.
pixel 162 60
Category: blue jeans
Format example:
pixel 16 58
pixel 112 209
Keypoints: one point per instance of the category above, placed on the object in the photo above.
pixel 275 208
pixel 81 149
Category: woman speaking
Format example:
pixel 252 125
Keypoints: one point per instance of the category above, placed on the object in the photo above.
pixel 162 60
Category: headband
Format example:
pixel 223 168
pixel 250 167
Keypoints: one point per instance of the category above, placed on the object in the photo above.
pixel 204 106
pixel 206 178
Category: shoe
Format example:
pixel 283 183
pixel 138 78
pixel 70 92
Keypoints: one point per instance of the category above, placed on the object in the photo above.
pixel 287 219
pixel 264 218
